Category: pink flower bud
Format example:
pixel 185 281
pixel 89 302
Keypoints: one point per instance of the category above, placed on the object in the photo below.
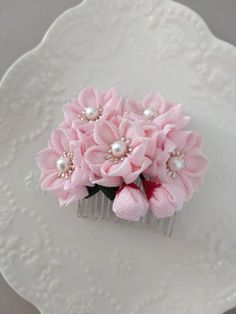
pixel 164 199
pixel 130 203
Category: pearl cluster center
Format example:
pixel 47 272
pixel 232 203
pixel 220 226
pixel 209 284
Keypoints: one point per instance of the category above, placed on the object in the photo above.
pixel 175 163
pixel 119 150
pixel 150 113
pixel 90 113
pixel 65 165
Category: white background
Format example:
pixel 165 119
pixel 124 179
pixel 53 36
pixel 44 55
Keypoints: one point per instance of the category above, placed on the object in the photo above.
pixel 23 24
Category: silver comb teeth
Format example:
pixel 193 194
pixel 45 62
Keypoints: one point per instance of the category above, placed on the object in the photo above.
pixel 100 207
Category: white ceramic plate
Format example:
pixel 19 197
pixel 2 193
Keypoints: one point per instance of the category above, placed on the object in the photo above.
pixel 63 264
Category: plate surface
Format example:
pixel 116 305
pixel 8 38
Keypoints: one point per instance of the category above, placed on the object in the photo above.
pixel 63 264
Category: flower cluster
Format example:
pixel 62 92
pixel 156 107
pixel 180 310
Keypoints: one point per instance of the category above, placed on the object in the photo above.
pixel 108 143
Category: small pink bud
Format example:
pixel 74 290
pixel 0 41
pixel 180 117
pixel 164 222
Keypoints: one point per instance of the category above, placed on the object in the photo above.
pixel 130 203
pixel 164 199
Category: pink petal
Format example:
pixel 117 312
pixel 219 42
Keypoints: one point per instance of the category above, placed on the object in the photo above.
pixel 186 183
pixel 72 112
pixel 130 130
pixel 133 106
pixel 174 116
pixel 62 194
pixel 78 177
pixel 152 146
pixel 138 154
pixel 134 117
pixel 107 181
pixel 161 171
pixel 159 143
pixel 64 201
pixel 115 106
pixel 193 141
pixel 131 177
pixel 46 159
pixel 68 198
pixel 77 193
pixel 154 101
pixel 68 184
pixel 52 182
pixel 80 192
pixel 96 155
pixel 167 118
pixel 59 141
pixel 77 149
pixel 180 138
pixel 83 126
pixel 187 141
pixel 81 175
pixel 121 169
pixel 195 165
pixel 158 166
pixel 65 197
pixel 109 95
pixel 90 97
pixel 105 132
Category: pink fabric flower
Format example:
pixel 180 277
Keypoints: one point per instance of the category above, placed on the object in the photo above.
pixel 118 153
pixel 107 141
pixel 186 164
pixel 130 203
pixel 63 169
pixel 83 112
pixel 164 199
pixel 159 149
pixel 156 111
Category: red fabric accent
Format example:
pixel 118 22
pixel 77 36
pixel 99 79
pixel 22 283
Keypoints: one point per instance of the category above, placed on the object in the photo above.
pixel 131 185
pixel 149 187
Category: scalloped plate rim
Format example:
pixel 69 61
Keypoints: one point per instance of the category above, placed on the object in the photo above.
pixel 36 51
pixel 58 20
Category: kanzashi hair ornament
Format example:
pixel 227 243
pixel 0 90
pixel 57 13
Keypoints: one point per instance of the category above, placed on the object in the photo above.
pixel 124 160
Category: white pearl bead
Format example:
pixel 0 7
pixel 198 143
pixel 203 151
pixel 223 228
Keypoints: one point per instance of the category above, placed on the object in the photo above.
pixel 63 164
pixel 150 113
pixel 175 163
pixel 119 149
pixel 91 113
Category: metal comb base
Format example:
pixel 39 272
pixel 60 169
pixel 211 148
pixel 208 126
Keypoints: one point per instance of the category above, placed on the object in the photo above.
pixel 100 207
